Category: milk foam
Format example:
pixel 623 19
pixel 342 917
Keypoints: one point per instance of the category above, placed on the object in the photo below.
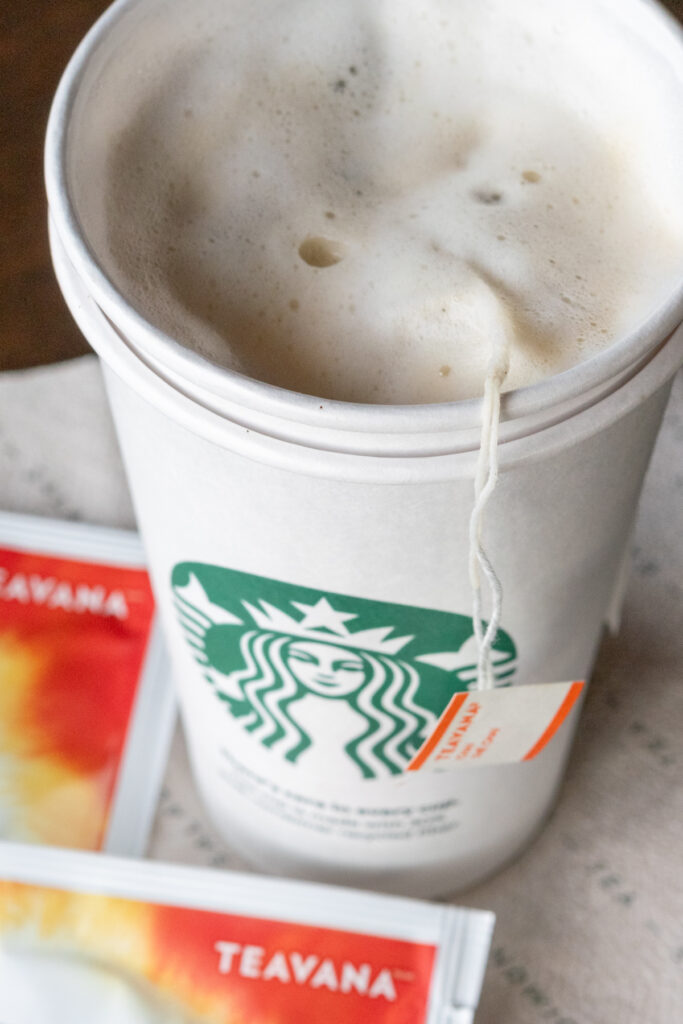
pixel 332 197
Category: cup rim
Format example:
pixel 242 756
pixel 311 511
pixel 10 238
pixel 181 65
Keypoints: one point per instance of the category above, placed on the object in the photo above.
pixel 202 378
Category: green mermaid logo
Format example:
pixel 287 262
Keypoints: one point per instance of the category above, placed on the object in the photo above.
pixel 267 647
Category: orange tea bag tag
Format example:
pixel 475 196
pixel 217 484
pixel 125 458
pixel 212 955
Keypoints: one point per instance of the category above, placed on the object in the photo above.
pixel 499 726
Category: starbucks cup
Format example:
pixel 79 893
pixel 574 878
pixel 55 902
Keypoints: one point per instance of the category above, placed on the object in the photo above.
pixel 310 560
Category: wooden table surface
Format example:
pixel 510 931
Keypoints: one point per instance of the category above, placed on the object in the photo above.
pixel 36 39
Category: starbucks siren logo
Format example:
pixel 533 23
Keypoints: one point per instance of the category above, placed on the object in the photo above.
pixel 266 646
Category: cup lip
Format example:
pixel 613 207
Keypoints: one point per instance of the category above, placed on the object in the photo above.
pixel 309 456
pixel 202 378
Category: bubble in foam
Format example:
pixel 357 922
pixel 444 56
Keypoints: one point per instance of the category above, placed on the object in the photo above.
pixel 318 251
pixel 488 196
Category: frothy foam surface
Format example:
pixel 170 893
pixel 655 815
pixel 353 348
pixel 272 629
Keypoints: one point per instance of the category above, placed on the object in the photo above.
pixel 337 198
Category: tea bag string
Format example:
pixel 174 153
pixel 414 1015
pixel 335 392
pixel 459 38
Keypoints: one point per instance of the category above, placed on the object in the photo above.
pixel 485 480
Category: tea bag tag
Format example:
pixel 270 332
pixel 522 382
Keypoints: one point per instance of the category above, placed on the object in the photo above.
pixel 506 725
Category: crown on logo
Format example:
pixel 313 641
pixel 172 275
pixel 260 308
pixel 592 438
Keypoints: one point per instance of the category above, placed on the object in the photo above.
pixel 323 622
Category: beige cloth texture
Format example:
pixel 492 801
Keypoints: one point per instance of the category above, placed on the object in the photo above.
pixel 590 917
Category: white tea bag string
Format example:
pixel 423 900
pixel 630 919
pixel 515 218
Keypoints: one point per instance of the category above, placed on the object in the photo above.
pixel 485 481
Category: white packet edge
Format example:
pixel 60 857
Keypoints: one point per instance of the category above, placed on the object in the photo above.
pixel 154 714
pixel 462 936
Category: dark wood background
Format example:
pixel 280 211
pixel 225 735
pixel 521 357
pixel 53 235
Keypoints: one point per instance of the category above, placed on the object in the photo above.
pixel 37 38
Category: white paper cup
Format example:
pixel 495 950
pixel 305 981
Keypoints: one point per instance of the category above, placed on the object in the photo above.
pixel 310 562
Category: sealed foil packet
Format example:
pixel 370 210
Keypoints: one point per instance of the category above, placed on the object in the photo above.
pixel 86 703
pixel 87 937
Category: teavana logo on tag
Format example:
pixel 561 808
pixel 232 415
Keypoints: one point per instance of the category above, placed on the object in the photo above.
pixel 299 969
pixel 51 592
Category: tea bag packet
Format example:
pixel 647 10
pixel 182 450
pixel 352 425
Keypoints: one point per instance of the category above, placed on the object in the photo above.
pixel 86 708
pixel 86 937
